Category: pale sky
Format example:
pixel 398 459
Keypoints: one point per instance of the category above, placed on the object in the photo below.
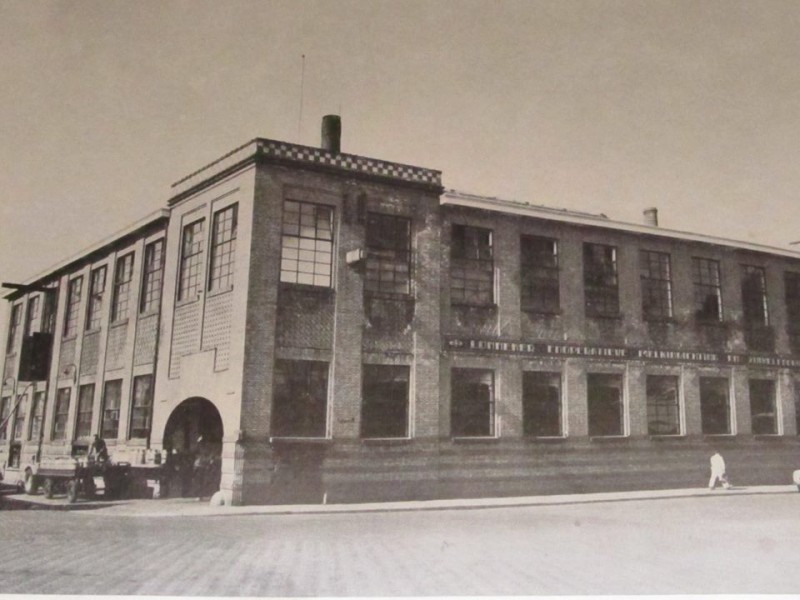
pixel 600 106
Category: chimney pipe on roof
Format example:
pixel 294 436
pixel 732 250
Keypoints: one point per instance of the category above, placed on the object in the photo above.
pixel 651 216
pixel 331 133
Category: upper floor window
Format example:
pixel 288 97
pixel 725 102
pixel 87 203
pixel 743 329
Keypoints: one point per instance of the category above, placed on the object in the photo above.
pixel 656 275
pixel 223 248
pixel 539 274
pixel 152 277
pixel 707 289
pixel 191 260
pixel 123 274
pixel 97 285
pixel 73 303
pixel 49 311
pixel 601 286
pixel 388 255
pixel 31 315
pixel 16 317
pixel 471 266
pixel 754 295
pixel 307 243
pixel 792 291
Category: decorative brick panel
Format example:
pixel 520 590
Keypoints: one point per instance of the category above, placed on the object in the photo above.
pixel 144 348
pixel 115 346
pixel 185 335
pixel 305 318
pixel 89 348
pixel 66 357
pixel 217 328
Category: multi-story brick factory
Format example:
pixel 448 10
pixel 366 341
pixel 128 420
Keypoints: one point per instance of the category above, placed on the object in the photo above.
pixel 328 327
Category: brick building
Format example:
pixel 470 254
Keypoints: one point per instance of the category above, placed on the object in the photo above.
pixel 328 327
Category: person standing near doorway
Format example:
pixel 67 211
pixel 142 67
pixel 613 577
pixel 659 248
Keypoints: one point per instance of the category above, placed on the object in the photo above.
pixel 718 472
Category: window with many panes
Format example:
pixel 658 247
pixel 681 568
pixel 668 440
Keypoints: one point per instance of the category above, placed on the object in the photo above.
pixel 49 312
pixel 223 248
pixel 5 410
pixel 388 263
pixel 142 408
pixel 307 243
pixel 754 295
pixel 300 398
pixel 605 404
pixel 539 274
pixel 13 327
pixel 123 274
pixel 763 410
pixel 792 294
pixel 471 266
pixel 152 276
pixel 83 427
pixel 472 403
pixel 384 409
pixel 97 285
pixel 73 304
pixel 37 415
pixel 19 417
pixel 656 277
pixel 601 286
pixel 541 404
pixel 191 265
pixel 707 290
pixel 112 400
pixel 61 414
pixel 663 405
pixel 31 315
pixel 715 409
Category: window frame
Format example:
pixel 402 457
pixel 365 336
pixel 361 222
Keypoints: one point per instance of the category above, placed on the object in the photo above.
pixel 656 408
pixel 190 265
pixel 152 277
pixel 655 273
pixel 108 411
pixel 772 413
pixel 707 277
pixel 74 295
pixel 600 430
pixel 304 244
pixel 94 305
pixel 31 314
pixel 222 249
pixel 81 410
pixel 135 406
pixel 472 277
pixel 380 403
pixel 37 415
pixel 705 420
pixel 601 281
pixel 530 412
pixel 461 379
pixel 123 280
pixel 15 321
pixel 61 417
pixel 18 430
pixel 755 306
pixel 384 258
pixel 316 395
pixel 539 281
pixel 5 420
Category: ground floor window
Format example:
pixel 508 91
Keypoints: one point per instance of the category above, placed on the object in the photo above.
pixel 541 404
pixel 142 409
pixel 384 409
pixel 37 414
pixel 85 408
pixel 763 412
pixel 797 406
pixel 19 417
pixel 663 409
pixel 300 398
pixel 5 409
pixel 472 403
pixel 112 399
pixel 61 414
pixel 715 407
pixel 606 410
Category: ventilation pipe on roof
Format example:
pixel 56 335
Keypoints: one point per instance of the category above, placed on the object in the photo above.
pixel 651 217
pixel 331 133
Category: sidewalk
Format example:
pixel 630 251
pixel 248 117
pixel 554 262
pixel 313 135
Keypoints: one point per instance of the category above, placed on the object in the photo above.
pixel 190 507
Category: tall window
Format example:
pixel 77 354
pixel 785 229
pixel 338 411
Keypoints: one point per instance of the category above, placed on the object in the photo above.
pixel 49 312
pixel 152 277
pixel 19 417
pixel 123 274
pixel 73 304
pixel 307 243
pixel 656 276
pixel 606 408
pixel 541 404
pixel 142 410
pixel 97 285
pixel 471 266
pixel 763 411
pixel 384 412
pixel 31 315
pixel 792 291
pixel 61 414
pixel 16 317
pixel 754 295
pixel 223 248
pixel 112 399
pixel 663 408
pixel 707 290
pixel 388 255
pixel 300 398
pixel 539 274
pixel 5 410
pixel 85 406
pixel 37 415
pixel 191 260
pixel 472 403
pixel 601 287
pixel 715 409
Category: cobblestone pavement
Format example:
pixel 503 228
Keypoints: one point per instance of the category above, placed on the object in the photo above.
pixel 717 544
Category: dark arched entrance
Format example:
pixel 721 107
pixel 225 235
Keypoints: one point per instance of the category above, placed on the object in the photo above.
pixel 193 447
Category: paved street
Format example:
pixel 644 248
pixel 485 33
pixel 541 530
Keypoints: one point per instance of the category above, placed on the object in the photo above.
pixel 718 544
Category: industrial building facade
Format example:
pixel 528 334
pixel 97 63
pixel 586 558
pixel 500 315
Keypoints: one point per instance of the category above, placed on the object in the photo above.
pixel 337 328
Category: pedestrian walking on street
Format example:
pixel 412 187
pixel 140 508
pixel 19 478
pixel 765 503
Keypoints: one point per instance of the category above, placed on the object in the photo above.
pixel 718 472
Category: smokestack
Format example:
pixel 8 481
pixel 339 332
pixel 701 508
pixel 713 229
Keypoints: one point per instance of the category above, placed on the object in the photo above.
pixel 331 133
pixel 651 216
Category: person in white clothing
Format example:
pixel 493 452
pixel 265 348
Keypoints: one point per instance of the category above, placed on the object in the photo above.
pixel 718 472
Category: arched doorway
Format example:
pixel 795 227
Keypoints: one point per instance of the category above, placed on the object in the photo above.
pixel 193 447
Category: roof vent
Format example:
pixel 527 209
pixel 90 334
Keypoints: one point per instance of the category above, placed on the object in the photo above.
pixel 651 216
pixel 331 133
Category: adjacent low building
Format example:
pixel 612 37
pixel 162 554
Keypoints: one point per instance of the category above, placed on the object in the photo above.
pixel 321 326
